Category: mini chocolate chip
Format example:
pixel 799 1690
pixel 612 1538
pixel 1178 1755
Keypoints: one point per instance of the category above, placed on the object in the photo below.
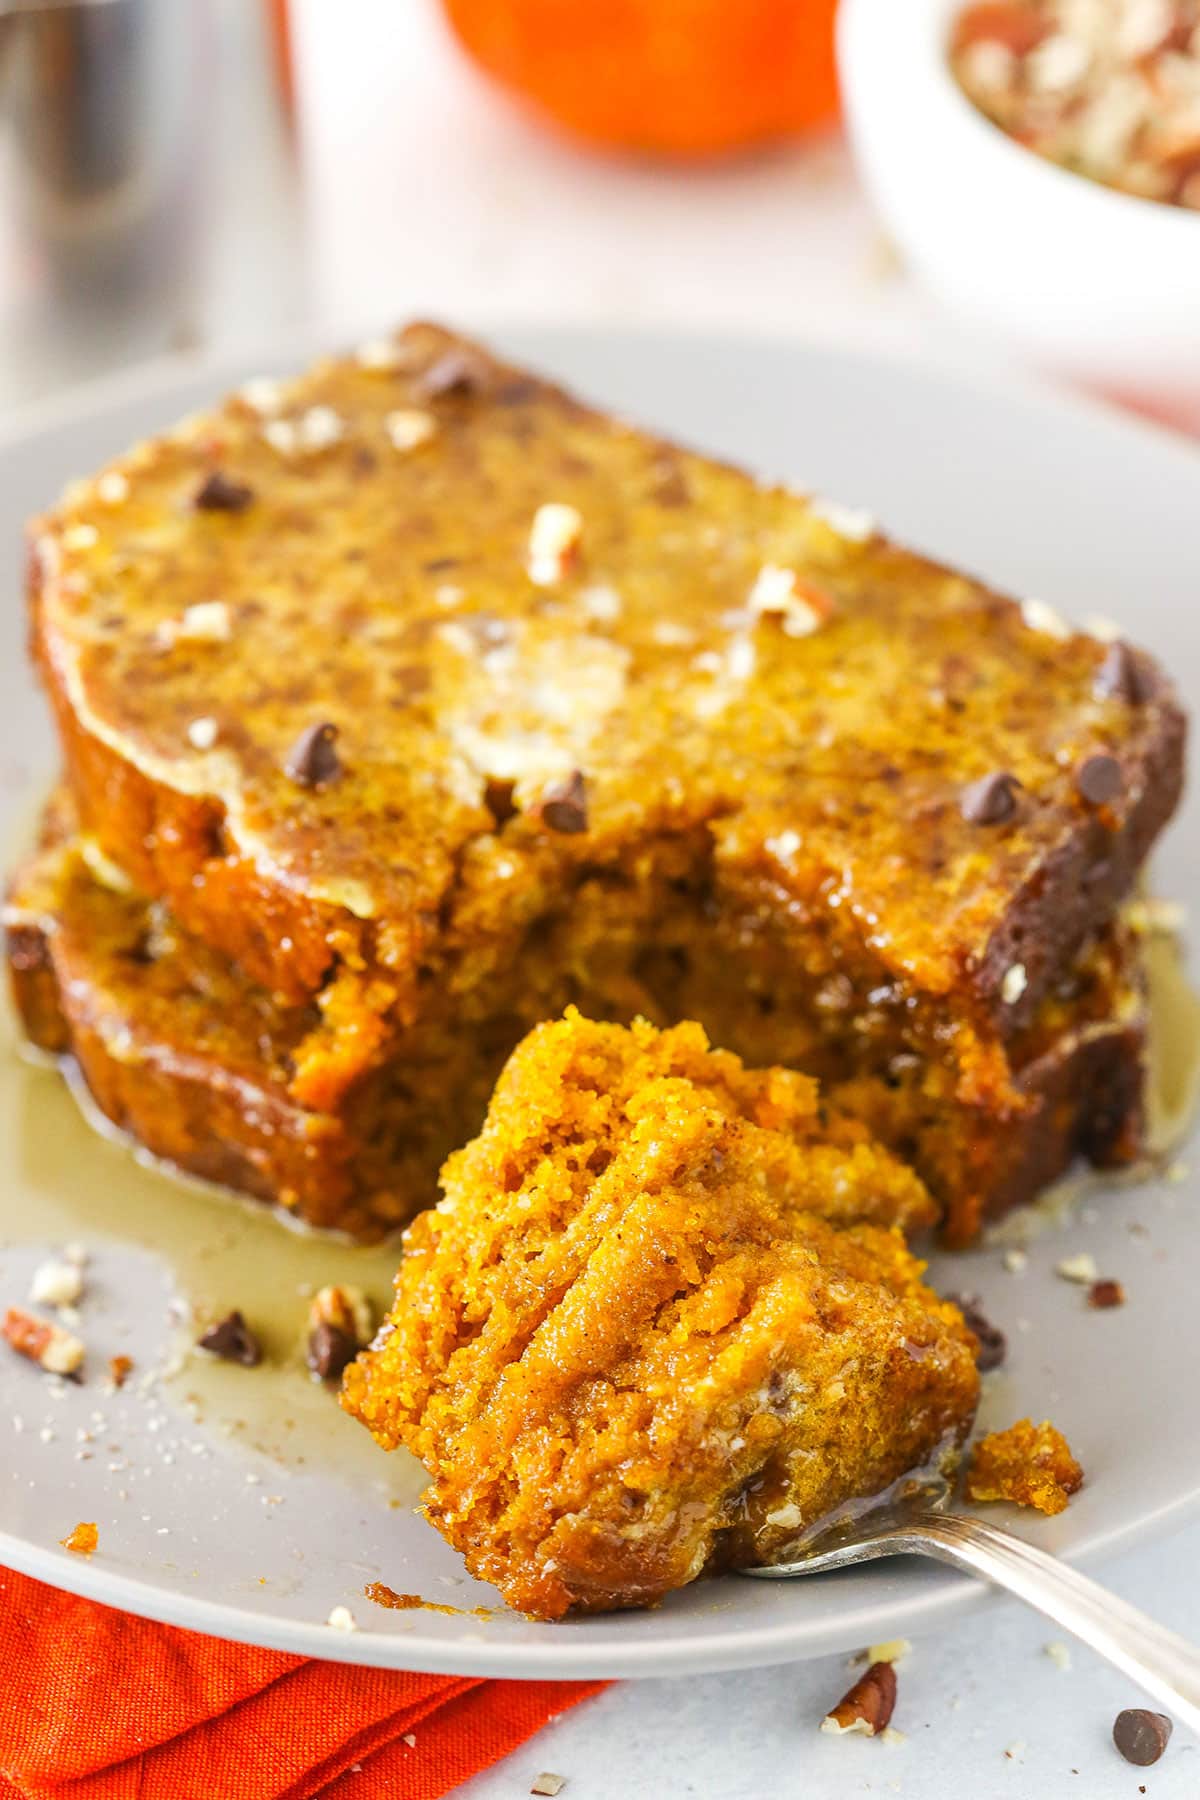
pixel 233 1341
pixel 330 1350
pixel 564 805
pixel 218 492
pixel 313 761
pixel 1105 1293
pixel 1141 1735
pixel 1119 677
pixel 993 1345
pixel 1098 778
pixel 457 373
pixel 990 800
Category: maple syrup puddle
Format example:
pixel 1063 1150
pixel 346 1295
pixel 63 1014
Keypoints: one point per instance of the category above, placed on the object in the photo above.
pixel 66 1174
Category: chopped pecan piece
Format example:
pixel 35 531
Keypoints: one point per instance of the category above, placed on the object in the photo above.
pixel 869 1705
pixel 339 1326
pixel 57 1351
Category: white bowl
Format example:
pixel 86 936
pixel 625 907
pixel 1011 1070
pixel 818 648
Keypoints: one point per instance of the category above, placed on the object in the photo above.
pixel 1087 281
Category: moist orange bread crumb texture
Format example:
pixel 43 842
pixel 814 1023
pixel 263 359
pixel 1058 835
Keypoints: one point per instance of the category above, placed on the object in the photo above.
pixel 433 700
pixel 1029 1464
pixel 662 1321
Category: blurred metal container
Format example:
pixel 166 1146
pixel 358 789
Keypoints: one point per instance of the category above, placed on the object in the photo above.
pixel 118 123
pixel 106 100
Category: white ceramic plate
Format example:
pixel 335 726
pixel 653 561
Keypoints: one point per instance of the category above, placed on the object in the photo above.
pixel 242 1503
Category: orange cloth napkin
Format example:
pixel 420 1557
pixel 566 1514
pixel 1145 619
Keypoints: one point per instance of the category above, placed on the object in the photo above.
pixel 97 1705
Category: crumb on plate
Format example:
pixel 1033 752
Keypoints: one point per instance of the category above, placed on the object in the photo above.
pixel 1031 1465
pixel 82 1539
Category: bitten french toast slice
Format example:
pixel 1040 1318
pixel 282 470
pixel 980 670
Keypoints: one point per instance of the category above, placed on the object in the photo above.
pixel 197 1061
pixel 659 1323
pixel 420 690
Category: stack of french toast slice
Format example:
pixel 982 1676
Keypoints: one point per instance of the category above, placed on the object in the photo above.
pixel 407 702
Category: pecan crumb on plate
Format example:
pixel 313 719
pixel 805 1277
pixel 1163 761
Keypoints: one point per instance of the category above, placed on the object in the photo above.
pixel 1106 1293
pixel 868 1707
pixel 56 1351
pixel 339 1326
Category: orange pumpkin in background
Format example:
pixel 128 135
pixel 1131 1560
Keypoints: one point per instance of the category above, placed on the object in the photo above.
pixel 681 78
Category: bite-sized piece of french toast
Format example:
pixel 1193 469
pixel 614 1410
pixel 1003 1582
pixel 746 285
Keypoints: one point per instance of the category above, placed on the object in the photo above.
pixel 662 1321
pixel 198 1062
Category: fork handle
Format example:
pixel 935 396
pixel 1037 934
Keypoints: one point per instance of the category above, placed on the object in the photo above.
pixel 1162 1663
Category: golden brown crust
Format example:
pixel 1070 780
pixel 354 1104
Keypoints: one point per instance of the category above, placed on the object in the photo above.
pixel 627 1344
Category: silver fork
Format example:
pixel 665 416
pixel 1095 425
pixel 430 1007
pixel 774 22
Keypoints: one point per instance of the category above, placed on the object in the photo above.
pixel 919 1523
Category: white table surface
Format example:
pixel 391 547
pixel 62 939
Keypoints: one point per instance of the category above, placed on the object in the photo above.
pixel 964 1700
pixel 426 193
